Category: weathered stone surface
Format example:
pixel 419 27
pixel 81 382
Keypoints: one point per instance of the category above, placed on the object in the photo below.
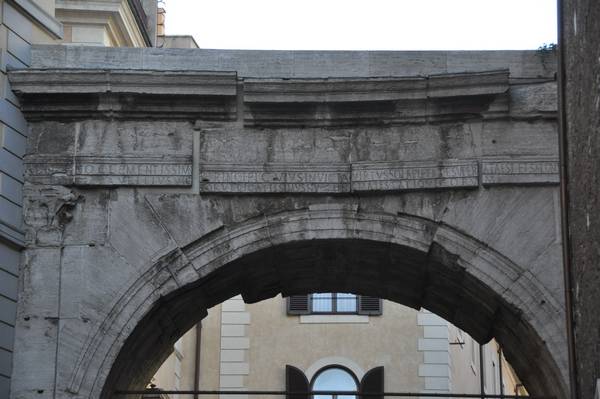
pixel 99 153
pixel 411 180
pixel 69 94
pixel 519 171
pixel 124 81
pixel 275 178
pixel 414 175
pixel 133 171
pixel 298 64
pixel 580 70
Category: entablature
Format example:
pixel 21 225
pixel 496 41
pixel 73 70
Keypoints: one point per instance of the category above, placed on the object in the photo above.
pixel 57 94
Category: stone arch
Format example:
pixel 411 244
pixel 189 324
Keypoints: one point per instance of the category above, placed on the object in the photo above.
pixel 403 258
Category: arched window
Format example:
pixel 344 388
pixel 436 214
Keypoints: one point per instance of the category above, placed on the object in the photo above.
pixel 334 378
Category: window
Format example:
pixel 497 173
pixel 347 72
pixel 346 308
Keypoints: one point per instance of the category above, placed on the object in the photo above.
pixel 334 378
pixel 327 302
pixel 333 303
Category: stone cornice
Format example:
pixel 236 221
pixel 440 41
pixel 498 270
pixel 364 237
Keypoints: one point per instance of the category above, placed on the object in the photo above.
pixel 68 94
pixel 375 89
pixel 80 94
pixel 66 81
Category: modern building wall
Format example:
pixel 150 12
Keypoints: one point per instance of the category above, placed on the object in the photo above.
pixel 246 347
pixel 23 22
pixel 310 342
pixel 178 370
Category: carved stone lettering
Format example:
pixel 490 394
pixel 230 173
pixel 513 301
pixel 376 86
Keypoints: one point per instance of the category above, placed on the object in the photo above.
pixel 413 175
pixel 147 171
pixel 520 171
pixel 111 171
pixel 274 178
pixel 49 170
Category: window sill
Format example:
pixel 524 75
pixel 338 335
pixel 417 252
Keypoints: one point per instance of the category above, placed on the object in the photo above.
pixel 334 318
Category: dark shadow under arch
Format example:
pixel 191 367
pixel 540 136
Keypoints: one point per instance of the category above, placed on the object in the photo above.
pixel 434 279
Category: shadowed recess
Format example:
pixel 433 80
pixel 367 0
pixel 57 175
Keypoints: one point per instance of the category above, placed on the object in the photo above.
pixel 414 278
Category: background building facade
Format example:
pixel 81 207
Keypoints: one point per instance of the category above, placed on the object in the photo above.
pixel 247 347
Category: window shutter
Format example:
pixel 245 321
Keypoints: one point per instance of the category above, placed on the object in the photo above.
pixel 369 305
pixel 298 304
pixel 295 381
pixel 372 382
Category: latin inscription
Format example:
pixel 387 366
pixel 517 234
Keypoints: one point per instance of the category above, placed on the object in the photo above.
pixel 134 169
pixel 289 178
pixel 411 176
pixel 275 178
pixel 508 171
pixel 118 171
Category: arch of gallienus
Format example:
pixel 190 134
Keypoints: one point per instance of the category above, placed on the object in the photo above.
pixel 151 196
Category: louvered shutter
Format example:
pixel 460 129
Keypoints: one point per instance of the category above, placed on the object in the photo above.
pixel 372 382
pixel 296 381
pixel 369 305
pixel 298 304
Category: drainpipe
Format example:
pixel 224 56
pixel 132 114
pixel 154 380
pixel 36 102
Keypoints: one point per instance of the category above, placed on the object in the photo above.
pixel 197 358
pixel 564 201
pixel 481 376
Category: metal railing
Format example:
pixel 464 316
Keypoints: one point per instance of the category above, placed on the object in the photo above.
pixel 155 391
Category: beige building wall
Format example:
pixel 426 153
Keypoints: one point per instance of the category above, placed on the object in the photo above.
pixel 177 372
pixel 246 347
pixel 466 377
pixel 313 341
pixel 210 351
pixel 464 354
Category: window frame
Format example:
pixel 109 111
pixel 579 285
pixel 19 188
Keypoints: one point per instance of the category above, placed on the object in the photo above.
pixel 334 300
pixel 357 382
pixel 301 305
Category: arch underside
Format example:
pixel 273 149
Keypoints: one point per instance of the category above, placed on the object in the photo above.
pixel 407 260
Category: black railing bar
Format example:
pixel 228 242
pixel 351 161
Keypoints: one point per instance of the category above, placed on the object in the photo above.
pixel 330 393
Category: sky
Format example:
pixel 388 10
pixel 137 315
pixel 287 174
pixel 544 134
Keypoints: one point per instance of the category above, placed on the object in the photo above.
pixel 364 24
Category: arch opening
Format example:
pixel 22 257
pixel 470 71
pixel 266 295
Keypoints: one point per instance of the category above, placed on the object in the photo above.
pixel 334 378
pixel 434 279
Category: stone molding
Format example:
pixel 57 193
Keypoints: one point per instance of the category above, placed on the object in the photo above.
pixel 375 89
pixel 220 178
pixel 524 65
pixel 43 19
pixel 110 171
pixel 334 319
pixel 375 176
pixel 521 170
pixel 266 102
pixel 117 17
pixel 53 81
pixel 84 94
pixel 352 101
